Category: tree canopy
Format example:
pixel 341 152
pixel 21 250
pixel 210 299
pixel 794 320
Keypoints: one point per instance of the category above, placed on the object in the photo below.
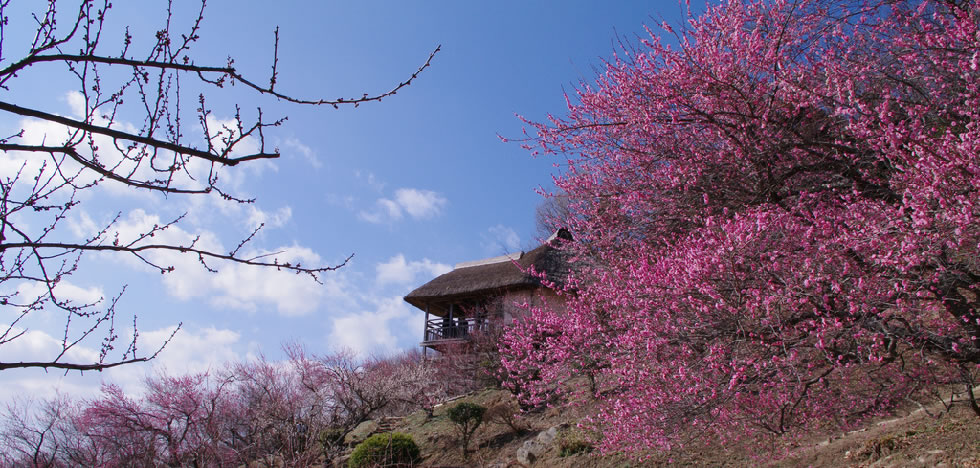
pixel 776 209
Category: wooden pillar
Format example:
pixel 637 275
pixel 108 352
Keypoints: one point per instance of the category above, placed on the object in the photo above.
pixel 452 325
pixel 425 332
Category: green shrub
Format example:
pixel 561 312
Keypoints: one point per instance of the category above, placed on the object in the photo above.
pixel 387 449
pixel 467 417
pixel 572 442
pixel 463 413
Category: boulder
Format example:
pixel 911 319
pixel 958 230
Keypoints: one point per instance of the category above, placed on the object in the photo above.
pixel 532 449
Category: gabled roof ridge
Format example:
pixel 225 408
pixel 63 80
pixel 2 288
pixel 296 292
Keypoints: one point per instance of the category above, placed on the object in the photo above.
pixel 513 256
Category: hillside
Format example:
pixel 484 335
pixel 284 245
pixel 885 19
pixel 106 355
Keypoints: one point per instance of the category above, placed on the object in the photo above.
pixel 913 439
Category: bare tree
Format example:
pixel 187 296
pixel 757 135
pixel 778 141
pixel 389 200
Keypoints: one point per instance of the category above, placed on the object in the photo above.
pixel 552 214
pixel 163 89
pixel 29 432
pixel 346 392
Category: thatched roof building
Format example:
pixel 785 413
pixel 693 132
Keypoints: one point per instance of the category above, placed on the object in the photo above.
pixel 466 299
pixel 478 280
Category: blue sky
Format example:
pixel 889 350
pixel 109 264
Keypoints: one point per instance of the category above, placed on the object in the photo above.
pixel 410 186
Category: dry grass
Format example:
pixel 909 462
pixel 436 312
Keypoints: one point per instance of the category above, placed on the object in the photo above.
pixel 915 439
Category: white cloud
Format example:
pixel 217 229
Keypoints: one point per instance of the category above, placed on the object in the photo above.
pixel 277 219
pixel 50 317
pixel 390 208
pixel 384 211
pixel 223 132
pixel 64 291
pixel 305 151
pixel 418 204
pixel 77 103
pixel 41 385
pixel 190 350
pixel 501 239
pixel 244 286
pixel 82 225
pixel 38 346
pixel 235 285
pixel 205 209
pixel 373 332
pixel 42 132
pixel 399 271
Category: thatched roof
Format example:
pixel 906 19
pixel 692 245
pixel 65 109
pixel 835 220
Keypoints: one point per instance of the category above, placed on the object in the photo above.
pixel 489 277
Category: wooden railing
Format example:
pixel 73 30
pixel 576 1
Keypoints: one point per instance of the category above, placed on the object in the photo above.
pixel 458 329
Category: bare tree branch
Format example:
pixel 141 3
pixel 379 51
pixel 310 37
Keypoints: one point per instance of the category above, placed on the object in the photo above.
pixel 56 172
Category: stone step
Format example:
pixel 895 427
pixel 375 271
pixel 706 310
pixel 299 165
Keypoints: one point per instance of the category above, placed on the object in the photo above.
pixel 388 424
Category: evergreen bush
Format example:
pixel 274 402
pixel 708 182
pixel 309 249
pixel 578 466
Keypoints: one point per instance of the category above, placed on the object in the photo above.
pixel 467 417
pixel 388 449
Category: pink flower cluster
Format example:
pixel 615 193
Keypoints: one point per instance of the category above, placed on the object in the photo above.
pixel 776 220
pixel 289 413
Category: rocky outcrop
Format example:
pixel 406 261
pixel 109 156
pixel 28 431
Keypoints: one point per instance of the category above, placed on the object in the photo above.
pixel 532 449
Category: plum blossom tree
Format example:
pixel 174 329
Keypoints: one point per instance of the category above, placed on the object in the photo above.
pixel 780 216
pixel 343 392
pixel 296 412
pixel 279 411
pixel 180 421
pixel 176 148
